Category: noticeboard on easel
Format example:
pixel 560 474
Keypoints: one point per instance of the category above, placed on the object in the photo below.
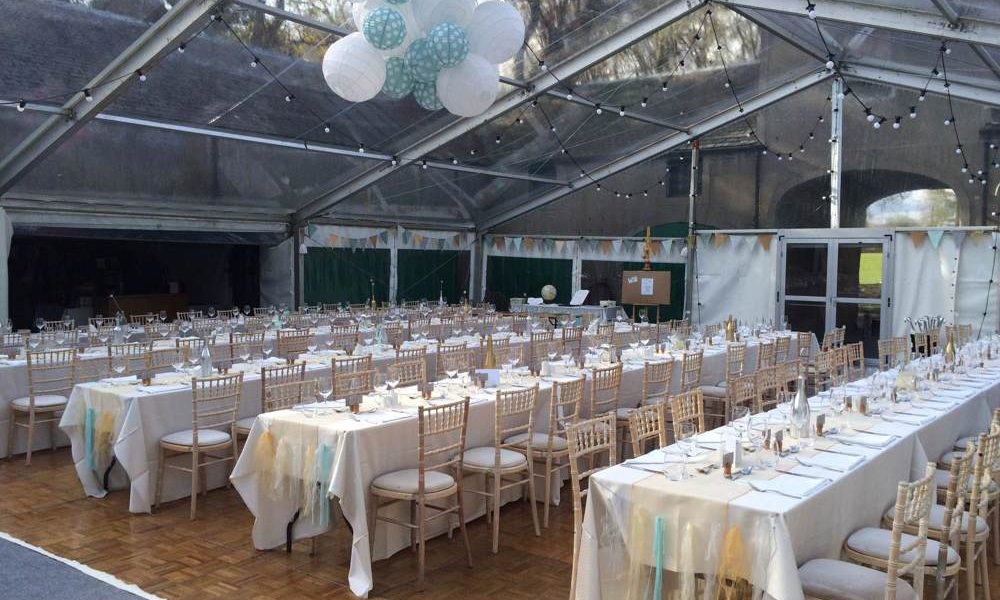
pixel 646 288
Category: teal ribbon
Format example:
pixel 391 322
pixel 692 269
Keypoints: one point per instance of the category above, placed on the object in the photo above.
pixel 324 463
pixel 658 553
pixel 88 438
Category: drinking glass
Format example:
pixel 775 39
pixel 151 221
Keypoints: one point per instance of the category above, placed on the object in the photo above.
pixel 211 312
pixel 243 352
pixel 40 324
pixel 59 337
pixel 267 348
pixel 163 316
pixel 34 340
pixel 838 402
pixel 686 443
pixel 67 320
pixel 193 358
pixel 118 364
pixel 325 387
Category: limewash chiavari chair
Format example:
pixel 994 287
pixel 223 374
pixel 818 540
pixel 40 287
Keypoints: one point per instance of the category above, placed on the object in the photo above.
pixel 416 353
pixel 935 338
pixel 270 377
pixel 829 341
pixel 572 340
pixel 787 375
pixel 143 319
pixel 438 451
pixel 162 360
pixel 886 354
pixel 646 423
pixel 605 389
pixel 829 579
pixel 855 361
pixel 455 357
pixel 743 392
pixel 51 375
pixel 803 346
pixel 132 355
pixel 589 440
pixel 344 338
pixel 767 389
pixel 824 372
pixel 214 408
pixel 657 377
pixel 506 465
pixel 782 348
pixel 765 355
pixel 281 396
pixel 191 315
pixel 691 370
pixel 352 375
pixel 687 407
pixel 291 344
pixel 13 343
pixel 922 343
pixel 251 340
pixel 716 395
pixel 540 352
pixel 565 402
pixel 407 372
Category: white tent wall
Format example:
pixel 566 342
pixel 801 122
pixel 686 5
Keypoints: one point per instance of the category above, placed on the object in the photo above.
pixel 946 273
pixel 6 233
pixel 735 274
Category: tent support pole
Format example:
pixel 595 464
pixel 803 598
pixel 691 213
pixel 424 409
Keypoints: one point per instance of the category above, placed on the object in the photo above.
pixel 691 238
pixel 836 155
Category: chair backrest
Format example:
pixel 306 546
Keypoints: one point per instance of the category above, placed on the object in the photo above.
pixel 605 388
pixel 935 337
pixel 454 357
pixel 278 375
pixel 505 353
pixel 415 353
pixel 886 354
pixel 251 340
pixel 353 383
pixel 292 343
pixel 541 350
pixel 572 339
pixel 50 372
pixel 742 391
pixel 657 379
pixel 688 407
pixel 437 430
pixel 408 372
pixel 349 364
pixel 912 512
pixel 787 374
pixel 589 439
pixel 922 343
pixel 782 348
pixel 765 355
pixel 691 370
pixel 646 423
pixel 855 360
pixel 191 345
pixel 12 342
pixel 736 357
pixel 838 336
pixel 161 360
pixel 829 341
pixel 961 489
pixel 542 336
pixel 216 402
pixel 280 396
pixel 142 319
pixel 803 345
pixel 622 339
pixel 825 370
pixel 193 314
pixel 514 413
pixel 605 329
pixel 565 403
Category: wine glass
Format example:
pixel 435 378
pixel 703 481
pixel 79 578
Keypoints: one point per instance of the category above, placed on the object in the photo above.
pixel 243 351
pixel 247 311
pixel 838 403
pixel 312 345
pixel 150 318
pixel 40 324
pixel 67 320
pixel 118 364
pixel 178 361
pixel 267 348
pixel 34 340
pixel 392 379
pixel 325 388
pixel 192 357
pixel 380 384
pixel 686 443
pixel 211 312
pixel 163 316
pixel 59 337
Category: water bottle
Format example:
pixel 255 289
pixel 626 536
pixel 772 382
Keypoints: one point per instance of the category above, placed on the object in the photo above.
pixel 801 417
pixel 206 361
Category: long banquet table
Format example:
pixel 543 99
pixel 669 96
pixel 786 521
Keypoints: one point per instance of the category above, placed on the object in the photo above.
pixel 639 523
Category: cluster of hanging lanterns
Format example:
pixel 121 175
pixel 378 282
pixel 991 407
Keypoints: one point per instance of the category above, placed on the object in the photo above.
pixel 444 52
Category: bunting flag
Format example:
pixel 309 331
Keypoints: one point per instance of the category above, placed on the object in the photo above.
pixel 332 240
pixel 560 245
pixel 935 236
pixel 918 238
pixel 498 242
pixel 738 241
pixel 373 241
pixel 529 243
pixel 384 237
pixel 721 239
pixel 406 237
pixel 617 245
pixel 666 246
pixel 606 246
pixel 516 242
pixel 704 238
pixel 765 241
pixel 977 236
pixel 457 240
pixel 959 237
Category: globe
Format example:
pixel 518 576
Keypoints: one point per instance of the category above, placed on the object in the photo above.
pixel 548 292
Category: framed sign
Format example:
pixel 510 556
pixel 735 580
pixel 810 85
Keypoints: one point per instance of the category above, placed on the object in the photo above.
pixel 646 287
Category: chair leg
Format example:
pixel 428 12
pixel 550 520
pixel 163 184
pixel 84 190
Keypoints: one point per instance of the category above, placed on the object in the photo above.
pixel 413 532
pixel 970 581
pixel 985 570
pixel 160 468
pixel 995 533
pixel 31 438
pixel 11 432
pixel 461 522
pixel 489 510
pixel 576 556
pixel 531 493
pixel 195 476
pixel 547 490
pixel 421 550
pixel 497 480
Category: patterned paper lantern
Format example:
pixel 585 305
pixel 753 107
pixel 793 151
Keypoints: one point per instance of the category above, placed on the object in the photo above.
pixel 469 88
pixel 449 44
pixel 426 95
pixel 398 79
pixel 423 63
pixel 353 69
pixel 396 1
pixel 384 28
pixel 496 31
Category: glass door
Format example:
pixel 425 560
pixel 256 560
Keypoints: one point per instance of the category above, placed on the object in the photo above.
pixel 836 282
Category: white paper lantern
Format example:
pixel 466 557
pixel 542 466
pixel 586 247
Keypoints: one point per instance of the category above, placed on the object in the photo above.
pixel 353 69
pixel 496 31
pixel 431 12
pixel 470 87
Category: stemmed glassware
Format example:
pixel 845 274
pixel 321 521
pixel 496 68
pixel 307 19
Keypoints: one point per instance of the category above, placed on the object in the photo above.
pixel 325 388
pixel 686 444
pixel 40 324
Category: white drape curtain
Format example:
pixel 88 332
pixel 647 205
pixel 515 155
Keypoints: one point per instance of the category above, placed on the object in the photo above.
pixel 737 277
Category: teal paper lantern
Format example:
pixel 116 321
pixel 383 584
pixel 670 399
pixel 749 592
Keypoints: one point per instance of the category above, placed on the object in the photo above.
pixel 398 79
pixel 384 28
pixel 449 43
pixel 423 63
pixel 426 95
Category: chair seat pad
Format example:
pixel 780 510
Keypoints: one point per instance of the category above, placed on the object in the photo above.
pixel 839 580
pixel 42 401
pixel 484 457
pixel 716 391
pixel 245 423
pixel 539 441
pixel 623 413
pixel 936 519
pixel 407 481
pixel 206 437
pixel 875 542
pixel 947 458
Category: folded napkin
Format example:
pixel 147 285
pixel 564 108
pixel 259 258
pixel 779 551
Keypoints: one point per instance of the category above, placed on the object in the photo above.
pixel 790 484
pixel 828 460
pixel 909 419
pixel 13 362
pixel 709 437
pixel 162 388
pixel 379 417
pixel 865 439
pixel 952 393
pixel 334 404
pixel 120 380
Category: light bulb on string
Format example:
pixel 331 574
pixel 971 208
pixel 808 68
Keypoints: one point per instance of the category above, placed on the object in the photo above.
pixel 597 109
pixel 423 164
pixel 922 96
pixel 361 149
pixel 896 123
pixel 181 48
pixel 254 62
pixel 811 10
pixel 87 95
pixel 454 161
pixel 21 105
pixel 869 116
pixel 142 76
pixel 644 102
pixel 913 112
pixel 394 161
pixel 289 97
pixel 621 111
pixel 569 94
pixel 326 128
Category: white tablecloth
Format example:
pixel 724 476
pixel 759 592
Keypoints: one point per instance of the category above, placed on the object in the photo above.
pixel 777 532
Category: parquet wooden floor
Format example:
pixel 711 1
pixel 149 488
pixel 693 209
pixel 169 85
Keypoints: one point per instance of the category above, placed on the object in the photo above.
pixel 168 555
